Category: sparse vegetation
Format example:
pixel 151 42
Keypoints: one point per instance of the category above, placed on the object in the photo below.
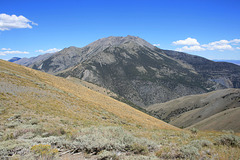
pixel 49 117
pixel 44 152
pixel 201 143
pixel 194 130
pixel 229 140
pixel 139 149
pixel 107 155
pixel 189 152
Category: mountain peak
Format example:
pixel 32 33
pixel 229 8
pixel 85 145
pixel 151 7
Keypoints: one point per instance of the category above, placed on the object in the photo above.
pixel 119 40
pixel 14 59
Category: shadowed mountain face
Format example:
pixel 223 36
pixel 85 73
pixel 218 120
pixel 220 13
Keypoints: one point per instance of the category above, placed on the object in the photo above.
pixel 215 110
pixel 14 59
pixel 138 71
pixel 224 73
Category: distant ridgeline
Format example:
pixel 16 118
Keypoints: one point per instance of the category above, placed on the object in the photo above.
pixel 237 62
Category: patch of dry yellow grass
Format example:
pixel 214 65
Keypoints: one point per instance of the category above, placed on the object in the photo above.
pixel 68 100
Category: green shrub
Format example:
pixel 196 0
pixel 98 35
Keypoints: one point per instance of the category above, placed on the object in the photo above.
pixel 9 147
pixel 12 124
pixel 168 152
pixel 201 143
pixel 34 121
pixel 139 149
pixel 194 130
pixel 8 136
pixel 94 140
pixel 189 151
pixel 44 151
pixel 17 116
pixel 62 131
pixel 228 140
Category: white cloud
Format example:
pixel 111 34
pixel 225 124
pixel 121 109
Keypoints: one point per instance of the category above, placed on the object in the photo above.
pixel 8 22
pixel 6 49
pixel 235 41
pixel 52 50
pixel 189 42
pixel 157 45
pixel 219 42
pixel 218 45
pixel 191 48
pixel 3 53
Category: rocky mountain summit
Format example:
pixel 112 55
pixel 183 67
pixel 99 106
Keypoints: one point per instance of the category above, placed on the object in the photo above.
pixel 140 72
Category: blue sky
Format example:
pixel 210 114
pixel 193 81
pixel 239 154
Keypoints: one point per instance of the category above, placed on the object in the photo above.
pixel 208 28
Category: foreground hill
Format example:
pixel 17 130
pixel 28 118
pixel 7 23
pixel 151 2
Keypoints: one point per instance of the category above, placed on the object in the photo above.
pixel 40 93
pixel 36 104
pixel 217 110
pixel 48 117
pixel 138 71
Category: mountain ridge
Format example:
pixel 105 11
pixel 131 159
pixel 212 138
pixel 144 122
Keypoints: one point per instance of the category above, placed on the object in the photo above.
pixel 139 71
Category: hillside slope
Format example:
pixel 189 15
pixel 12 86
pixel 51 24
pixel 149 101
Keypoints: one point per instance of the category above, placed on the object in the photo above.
pixel 37 93
pixel 48 117
pixel 215 110
pixel 37 109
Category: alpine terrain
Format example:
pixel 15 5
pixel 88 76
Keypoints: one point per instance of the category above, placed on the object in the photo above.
pixel 138 71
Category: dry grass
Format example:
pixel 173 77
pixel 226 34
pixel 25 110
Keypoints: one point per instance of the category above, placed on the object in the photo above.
pixel 55 98
pixel 38 108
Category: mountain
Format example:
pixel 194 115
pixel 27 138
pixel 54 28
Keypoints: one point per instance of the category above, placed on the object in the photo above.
pixel 223 73
pixel 29 61
pixel 14 59
pixel 140 72
pixel 217 110
pixel 237 62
